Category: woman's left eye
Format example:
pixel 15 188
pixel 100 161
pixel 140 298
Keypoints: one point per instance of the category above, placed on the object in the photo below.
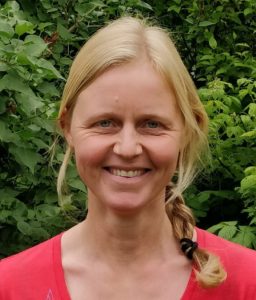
pixel 152 124
pixel 105 123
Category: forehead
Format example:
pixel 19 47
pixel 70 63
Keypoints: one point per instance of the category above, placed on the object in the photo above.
pixel 134 85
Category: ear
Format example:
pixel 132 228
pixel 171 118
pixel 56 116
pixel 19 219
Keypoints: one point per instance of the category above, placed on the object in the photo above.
pixel 65 125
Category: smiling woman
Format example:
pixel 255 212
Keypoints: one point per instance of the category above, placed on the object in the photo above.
pixel 124 162
pixel 133 121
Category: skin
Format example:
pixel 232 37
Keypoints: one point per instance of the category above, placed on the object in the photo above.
pixel 127 119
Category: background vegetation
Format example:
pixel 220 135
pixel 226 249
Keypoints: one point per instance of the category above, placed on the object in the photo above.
pixel 39 39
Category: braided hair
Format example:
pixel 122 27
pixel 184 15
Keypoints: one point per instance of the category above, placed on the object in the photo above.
pixel 207 266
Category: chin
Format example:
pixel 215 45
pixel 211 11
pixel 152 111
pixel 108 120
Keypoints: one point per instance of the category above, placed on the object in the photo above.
pixel 126 204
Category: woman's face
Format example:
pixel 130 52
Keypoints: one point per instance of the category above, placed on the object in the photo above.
pixel 126 133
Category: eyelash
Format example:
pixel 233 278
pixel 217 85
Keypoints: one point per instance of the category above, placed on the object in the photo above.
pixel 104 121
pixel 146 124
pixel 152 122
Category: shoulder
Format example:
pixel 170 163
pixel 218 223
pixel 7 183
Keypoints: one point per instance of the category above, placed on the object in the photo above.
pixel 221 246
pixel 28 257
pixel 26 269
pixel 238 261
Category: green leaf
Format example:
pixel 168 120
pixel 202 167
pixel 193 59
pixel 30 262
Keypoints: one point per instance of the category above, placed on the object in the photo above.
pixel 65 61
pixel 47 210
pixel 24 59
pixel 250 171
pixel 63 32
pixel 212 42
pixel 77 184
pixel 228 232
pixel 17 84
pixel 6 135
pixel 34 46
pixel 252 109
pixel 234 131
pixel 248 183
pixel 4 132
pixel 243 45
pixel 222 70
pixel 243 81
pixel 42 26
pixel 40 144
pixel 215 228
pixel 28 102
pixel 246 119
pixel 40 234
pixel 34 127
pixel 6 30
pixel 12 6
pixel 48 89
pixel 190 20
pixel 48 125
pixel 206 23
pixel 175 8
pixel 242 93
pixel 4 214
pixel 24 27
pixel 24 228
pixel 3 107
pixel 3 67
pixel 145 5
pixel 229 223
pixel 248 11
pixel 20 212
pixel 249 134
pixel 85 9
pixel 26 157
pixel 245 236
pixel 8 199
pixel 52 72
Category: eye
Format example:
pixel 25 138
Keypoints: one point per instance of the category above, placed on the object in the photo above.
pixel 104 123
pixel 152 124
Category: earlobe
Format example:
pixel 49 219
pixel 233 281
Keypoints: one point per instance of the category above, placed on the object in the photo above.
pixel 64 123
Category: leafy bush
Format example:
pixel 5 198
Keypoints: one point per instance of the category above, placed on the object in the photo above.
pixel 30 92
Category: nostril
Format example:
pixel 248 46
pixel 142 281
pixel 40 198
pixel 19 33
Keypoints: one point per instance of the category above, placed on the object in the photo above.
pixel 127 148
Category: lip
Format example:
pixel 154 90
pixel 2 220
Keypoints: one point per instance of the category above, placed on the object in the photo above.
pixel 114 171
pixel 124 179
pixel 127 168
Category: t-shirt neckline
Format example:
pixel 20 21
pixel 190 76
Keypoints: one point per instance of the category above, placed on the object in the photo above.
pixel 60 277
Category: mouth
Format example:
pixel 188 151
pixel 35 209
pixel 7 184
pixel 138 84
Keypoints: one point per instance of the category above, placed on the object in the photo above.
pixel 127 173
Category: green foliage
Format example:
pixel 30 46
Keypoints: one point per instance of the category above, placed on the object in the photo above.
pixel 244 235
pixel 29 86
pixel 39 39
pixel 217 41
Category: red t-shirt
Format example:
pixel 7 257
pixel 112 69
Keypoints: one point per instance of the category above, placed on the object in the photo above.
pixel 37 274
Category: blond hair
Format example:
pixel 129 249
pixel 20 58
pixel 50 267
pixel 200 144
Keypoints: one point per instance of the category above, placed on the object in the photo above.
pixel 126 40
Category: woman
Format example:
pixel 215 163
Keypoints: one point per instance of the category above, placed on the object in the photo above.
pixel 132 118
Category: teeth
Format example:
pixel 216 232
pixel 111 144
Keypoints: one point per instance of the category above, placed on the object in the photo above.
pixel 123 173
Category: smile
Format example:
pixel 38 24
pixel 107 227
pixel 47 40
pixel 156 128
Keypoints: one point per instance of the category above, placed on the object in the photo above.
pixel 127 173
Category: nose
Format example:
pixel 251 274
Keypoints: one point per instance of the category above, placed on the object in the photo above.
pixel 127 144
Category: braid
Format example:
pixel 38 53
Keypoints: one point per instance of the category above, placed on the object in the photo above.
pixel 208 269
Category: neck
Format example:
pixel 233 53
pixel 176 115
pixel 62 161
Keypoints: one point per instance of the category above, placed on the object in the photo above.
pixel 130 239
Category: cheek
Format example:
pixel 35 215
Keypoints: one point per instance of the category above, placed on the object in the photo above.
pixel 90 152
pixel 166 152
pixel 87 159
